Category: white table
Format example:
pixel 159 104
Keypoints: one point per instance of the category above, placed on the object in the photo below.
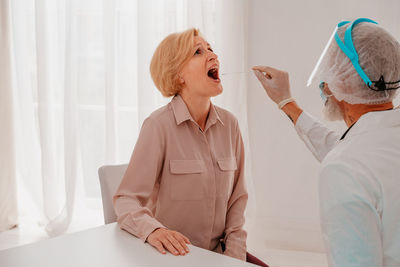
pixel 106 246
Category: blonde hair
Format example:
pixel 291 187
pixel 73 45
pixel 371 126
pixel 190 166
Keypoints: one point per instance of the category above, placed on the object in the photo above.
pixel 169 58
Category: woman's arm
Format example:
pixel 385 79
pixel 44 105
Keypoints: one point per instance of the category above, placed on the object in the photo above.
pixel 138 186
pixel 235 235
pixel 138 183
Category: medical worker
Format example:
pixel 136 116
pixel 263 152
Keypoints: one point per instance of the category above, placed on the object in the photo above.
pixel 359 179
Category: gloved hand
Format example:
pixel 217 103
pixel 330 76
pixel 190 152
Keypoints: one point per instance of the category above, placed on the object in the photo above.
pixel 275 82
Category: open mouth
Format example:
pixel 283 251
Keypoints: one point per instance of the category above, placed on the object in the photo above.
pixel 213 73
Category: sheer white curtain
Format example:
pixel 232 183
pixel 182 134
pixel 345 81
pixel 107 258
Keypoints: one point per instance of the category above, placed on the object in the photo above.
pixel 8 194
pixel 83 88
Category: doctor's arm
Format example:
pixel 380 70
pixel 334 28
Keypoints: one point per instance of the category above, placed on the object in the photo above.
pixel 350 217
pixel 138 187
pixel 318 138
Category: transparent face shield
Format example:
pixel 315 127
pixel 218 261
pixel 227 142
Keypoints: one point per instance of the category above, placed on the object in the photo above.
pixel 347 47
pixel 316 69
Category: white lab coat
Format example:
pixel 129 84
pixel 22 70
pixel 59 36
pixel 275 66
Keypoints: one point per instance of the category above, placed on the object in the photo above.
pixel 359 188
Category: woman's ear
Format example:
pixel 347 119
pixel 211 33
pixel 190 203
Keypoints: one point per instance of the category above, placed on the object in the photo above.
pixel 180 79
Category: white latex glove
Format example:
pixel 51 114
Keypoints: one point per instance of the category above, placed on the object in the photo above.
pixel 275 82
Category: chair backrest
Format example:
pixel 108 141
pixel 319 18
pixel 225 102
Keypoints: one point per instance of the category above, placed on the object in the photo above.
pixel 110 177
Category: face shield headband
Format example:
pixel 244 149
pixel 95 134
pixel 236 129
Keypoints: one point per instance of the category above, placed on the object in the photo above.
pixel 349 50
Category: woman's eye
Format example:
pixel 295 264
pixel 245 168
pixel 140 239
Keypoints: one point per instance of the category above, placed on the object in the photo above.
pixel 198 51
pixel 211 50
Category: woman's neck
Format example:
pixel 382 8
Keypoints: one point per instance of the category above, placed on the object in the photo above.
pixel 198 108
pixel 352 112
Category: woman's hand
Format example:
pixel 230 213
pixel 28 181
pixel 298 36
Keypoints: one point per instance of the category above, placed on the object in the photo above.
pixel 274 81
pixel 173 241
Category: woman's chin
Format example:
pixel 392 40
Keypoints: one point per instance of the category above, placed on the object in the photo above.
pixel 218 90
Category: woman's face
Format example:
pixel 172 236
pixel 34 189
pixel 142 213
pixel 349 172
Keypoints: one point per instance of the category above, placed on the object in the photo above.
pixel 200 75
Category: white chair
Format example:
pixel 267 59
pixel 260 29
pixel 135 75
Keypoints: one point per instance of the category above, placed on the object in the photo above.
pixel 110 177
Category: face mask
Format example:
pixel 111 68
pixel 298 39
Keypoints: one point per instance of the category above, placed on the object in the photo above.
pixel 324 97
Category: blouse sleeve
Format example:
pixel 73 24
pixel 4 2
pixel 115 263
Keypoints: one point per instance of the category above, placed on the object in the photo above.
pixel 139 182
pixel 235 235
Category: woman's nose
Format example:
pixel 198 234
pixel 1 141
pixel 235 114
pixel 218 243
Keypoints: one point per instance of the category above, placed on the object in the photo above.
pixel 212 56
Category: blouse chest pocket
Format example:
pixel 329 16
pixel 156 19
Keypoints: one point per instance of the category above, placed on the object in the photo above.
pixel 187 179
pixel 226 176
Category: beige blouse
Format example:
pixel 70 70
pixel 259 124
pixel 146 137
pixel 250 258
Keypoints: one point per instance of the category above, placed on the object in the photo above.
pixel 188 180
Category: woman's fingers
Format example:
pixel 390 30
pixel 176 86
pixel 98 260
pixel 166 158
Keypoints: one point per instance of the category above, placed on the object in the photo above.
pixel 182 241
pixel 168 245
pixel 170 240
pixel 159 246
pixel 176 243
pixel 187 241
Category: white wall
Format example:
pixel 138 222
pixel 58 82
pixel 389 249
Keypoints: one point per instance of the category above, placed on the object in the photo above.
pixel 290 35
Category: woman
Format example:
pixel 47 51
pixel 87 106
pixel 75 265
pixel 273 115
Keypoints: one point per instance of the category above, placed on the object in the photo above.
pixel 185 181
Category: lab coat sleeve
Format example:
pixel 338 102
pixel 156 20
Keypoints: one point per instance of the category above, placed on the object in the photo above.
pixel 235 235
pixel 318 138
pixel 350 219
pixel 138 183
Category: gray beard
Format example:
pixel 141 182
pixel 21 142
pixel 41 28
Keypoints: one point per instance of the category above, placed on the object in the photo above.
pixel 332 111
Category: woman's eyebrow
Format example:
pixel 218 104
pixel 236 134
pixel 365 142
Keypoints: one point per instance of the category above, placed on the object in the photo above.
pixel 199 44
